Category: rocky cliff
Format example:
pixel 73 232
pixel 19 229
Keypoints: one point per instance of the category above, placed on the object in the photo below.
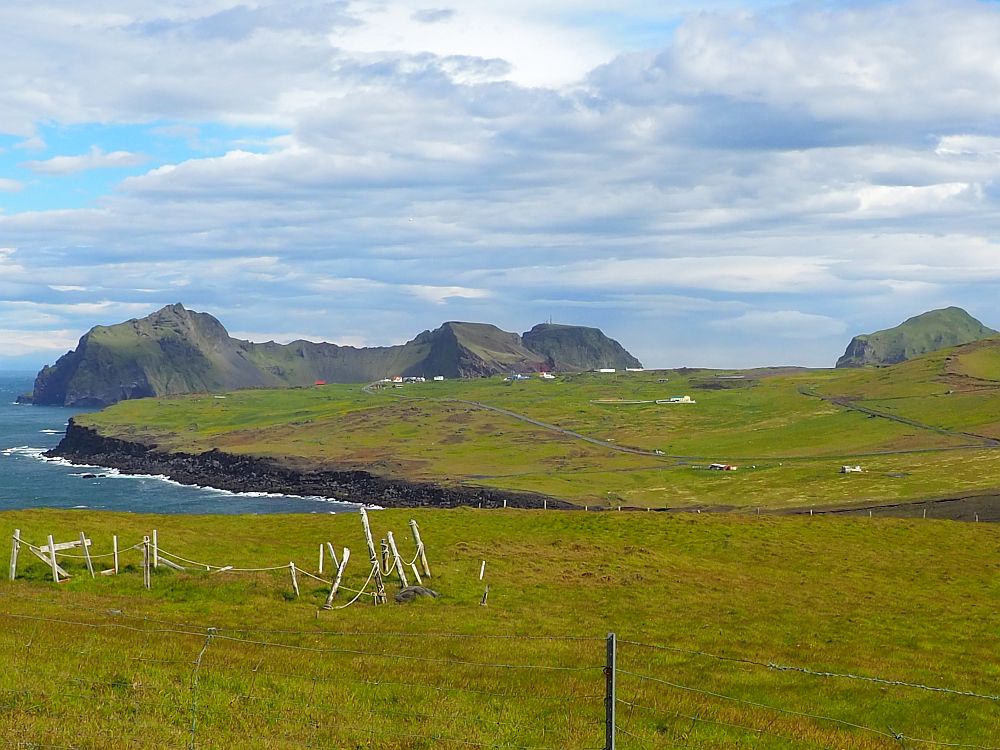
pixel 176 351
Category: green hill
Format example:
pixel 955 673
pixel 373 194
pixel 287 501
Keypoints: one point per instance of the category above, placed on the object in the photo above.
pixel 577 347
pixel 176 351
pixel 929 332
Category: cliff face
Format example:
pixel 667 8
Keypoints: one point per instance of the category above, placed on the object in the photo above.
pixel 937 329
pixel 577 347
pixel 176 351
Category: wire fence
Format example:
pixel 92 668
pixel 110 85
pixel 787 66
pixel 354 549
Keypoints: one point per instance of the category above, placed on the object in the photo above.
pixel 99 678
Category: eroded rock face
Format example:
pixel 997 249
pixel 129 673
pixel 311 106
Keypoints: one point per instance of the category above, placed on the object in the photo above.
pixel 175 351
pixel 239 473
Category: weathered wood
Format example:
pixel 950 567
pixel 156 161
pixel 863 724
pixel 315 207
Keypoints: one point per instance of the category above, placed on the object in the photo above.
pixel 486 595
pixel 336 581
pixel 146 577
pixel 420 547
pixel 295 580
pixel 321 558
pixel 156 551
pixel 398 562
pixel 171 564
pixel 114 542
pixel 373 556
pixel 86 553
pixel 108 572
pixel 52 558
pixel 482 570
pixel 60 546
pixel 416 574
pixel 333 554
pixel 45 559
pixel 385 557
pixel 223 569
pixel 15 547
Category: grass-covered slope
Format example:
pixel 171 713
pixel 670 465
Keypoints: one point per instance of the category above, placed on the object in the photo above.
pixel 98 663
pixel 577 347
pixel 928 332
pixel 176 350
pixel 928 427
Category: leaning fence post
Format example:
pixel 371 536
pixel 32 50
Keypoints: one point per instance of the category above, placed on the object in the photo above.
pixel 336 581
pixel 14 549
pixel 420 548
pixel 52 559
pixel 610 699
pixel 373 556
pixel 295 581
pixel 397 561
pixel 86 553
pixel 333 554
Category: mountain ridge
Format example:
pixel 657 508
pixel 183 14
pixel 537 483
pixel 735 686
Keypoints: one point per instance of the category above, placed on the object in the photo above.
pixel 175 350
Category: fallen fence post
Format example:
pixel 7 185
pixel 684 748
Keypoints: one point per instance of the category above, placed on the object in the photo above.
pixel 15 547
pixel 610 699
pixel 86 553
pixel 336 581
pixel 420 548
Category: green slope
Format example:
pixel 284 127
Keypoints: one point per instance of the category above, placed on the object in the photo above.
pixel 921 334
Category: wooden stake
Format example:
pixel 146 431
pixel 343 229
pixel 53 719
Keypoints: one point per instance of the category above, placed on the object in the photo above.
pixel 482 570
pixel 295 581
pixel 545 503
pixel 397 561
pixel 46 560
pixel 15 547
pixel 486 595
pixel 420 548
pixel 52 558
pixel 86 553
pixel 505 502
pixel 336 581
pixel 333 554
pixel 145 563
pixel 156 551
pixel 416 575
pixel 385 557
pixel 321 557
pixel 114 542
pixel 171 564
pixel 925 512
pixel 373 556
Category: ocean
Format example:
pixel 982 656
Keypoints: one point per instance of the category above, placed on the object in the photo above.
pixel 30 480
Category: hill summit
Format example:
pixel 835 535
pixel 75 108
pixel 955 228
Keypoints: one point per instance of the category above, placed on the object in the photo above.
pixel 928 332
pixel 176 350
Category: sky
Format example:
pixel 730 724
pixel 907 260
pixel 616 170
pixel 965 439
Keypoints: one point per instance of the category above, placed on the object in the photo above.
pixel 723 184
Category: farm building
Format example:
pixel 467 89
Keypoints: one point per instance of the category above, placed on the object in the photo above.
pixel 677 400
pixel 605 369
pixel 723 467
pixel 546 376
pixel 438 378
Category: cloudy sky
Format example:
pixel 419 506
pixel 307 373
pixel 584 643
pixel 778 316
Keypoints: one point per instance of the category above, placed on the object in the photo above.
pixel 727 183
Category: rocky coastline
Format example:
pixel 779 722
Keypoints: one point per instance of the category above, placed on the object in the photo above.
pixel 236 473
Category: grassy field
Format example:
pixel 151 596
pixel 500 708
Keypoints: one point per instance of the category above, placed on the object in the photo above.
pixel 928 427
pixel 103 663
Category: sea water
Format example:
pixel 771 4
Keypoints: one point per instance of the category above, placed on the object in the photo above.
pixel 30 480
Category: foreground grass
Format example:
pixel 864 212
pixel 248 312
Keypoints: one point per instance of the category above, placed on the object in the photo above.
pixel 789 431
pixel 907 600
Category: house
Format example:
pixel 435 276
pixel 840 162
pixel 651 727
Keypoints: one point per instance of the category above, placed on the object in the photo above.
pixel 723 467
pixel 605 369
pixel 677 400
pixel 635 369
pixel 397 379
pixel 546 376
pixel 438 378
pixel 320 382
pixel 851 469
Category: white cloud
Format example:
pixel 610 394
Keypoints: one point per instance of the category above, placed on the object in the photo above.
pixel 96 158
pixel 8 185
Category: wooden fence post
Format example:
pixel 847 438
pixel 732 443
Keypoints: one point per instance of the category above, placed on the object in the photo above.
pixel 336 581
pixel 295 581
pixel 86 554
pixel 145 564
pixel 482 570
pixel 420 548
pixel 610 699
pixel 14 549
pixel 156 551
pixel 373 556
pixel 398 561
pixel 114 542
pixel 321 558
pixel 333 554
pixel 52 559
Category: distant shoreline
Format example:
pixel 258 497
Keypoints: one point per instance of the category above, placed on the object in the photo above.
pixel 237 473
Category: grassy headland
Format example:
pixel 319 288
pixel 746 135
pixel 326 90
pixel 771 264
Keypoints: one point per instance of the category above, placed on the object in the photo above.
pixel 927 427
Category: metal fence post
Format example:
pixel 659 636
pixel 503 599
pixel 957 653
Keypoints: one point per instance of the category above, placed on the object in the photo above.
pixel 609 693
